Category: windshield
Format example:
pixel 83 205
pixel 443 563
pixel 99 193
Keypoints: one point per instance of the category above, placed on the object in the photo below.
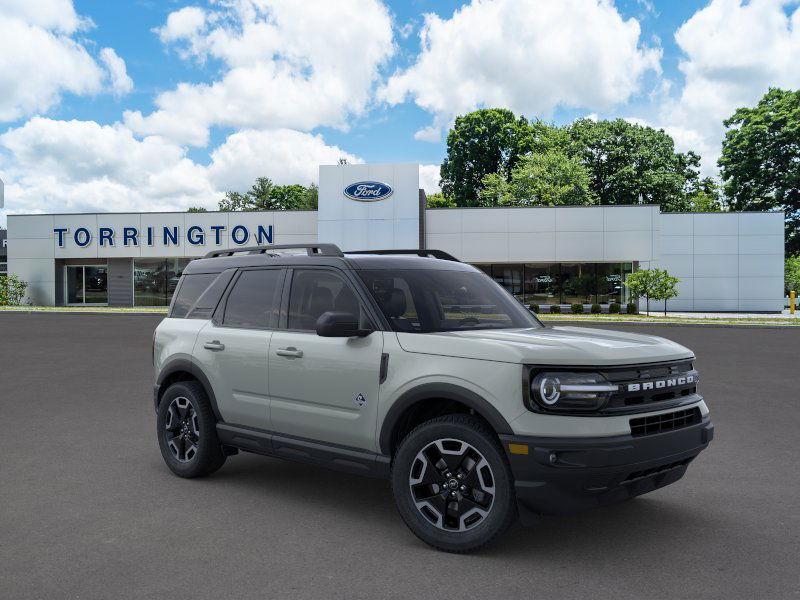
pixel 425 301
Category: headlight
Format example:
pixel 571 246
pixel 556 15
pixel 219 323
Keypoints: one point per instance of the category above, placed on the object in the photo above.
pixel 571 391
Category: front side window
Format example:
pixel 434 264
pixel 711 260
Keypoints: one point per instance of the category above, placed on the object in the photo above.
pixel 317 291
pixel 425 301
pixel 253 301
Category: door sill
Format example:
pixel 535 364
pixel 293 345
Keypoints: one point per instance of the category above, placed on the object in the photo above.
pixel 340 458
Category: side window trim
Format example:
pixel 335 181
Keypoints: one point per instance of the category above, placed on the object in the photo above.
pixel 283 323
pixel 219 314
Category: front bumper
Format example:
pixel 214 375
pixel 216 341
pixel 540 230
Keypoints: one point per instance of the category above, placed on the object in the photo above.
pixel 561 476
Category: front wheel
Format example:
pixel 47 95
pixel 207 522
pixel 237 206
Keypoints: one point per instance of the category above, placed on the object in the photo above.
pixel 452 484
pixel 187 431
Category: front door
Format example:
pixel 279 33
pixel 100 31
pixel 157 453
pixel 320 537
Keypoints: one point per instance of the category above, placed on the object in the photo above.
pixel 321 388
pixel 233 349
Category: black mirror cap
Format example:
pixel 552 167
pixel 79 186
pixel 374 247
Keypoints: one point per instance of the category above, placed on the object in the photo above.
pixel 340 324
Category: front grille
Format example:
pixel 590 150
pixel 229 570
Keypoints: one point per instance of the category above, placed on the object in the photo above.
pixel 644 385
pixel 665 422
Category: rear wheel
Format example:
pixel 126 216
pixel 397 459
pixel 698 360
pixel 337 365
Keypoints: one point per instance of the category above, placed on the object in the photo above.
pixel 452 484
pixel 187 433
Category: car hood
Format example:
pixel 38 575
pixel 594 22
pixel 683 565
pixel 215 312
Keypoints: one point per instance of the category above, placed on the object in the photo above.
pixel 547 346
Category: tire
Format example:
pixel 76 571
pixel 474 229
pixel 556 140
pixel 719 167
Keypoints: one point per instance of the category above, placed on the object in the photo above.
pixel 467 501
pixel 187 432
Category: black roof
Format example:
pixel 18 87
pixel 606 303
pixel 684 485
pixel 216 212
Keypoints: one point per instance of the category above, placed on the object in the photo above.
pixel 325 255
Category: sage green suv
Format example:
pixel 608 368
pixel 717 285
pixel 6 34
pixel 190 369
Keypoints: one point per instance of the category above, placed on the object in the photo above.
pixel 413 366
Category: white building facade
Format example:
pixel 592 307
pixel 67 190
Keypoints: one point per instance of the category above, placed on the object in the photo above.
pixel 562 255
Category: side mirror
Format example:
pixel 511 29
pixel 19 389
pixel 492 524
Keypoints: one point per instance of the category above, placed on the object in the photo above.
pixel 340 324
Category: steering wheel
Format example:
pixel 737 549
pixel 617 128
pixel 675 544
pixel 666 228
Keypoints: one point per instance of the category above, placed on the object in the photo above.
pixel 466 320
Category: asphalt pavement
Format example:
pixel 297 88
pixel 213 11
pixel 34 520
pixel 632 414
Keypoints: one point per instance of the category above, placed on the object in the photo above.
pixel 88 509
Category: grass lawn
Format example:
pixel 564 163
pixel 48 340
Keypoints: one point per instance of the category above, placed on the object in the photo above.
pixel 86 309
pixel 770 320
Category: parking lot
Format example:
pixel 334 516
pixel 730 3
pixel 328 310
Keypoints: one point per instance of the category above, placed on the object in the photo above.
pixel 88 509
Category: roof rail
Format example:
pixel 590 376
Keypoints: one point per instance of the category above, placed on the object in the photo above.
pixel 311 249
pixel 440 254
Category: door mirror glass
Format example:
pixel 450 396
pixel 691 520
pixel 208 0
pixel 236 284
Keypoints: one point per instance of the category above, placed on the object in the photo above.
pixel 340 324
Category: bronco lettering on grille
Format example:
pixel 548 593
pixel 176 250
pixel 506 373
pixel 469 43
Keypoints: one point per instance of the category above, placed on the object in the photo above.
pixel 659 384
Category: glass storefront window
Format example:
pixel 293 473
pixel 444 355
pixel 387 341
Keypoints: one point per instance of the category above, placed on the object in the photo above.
pixel 155 280
pixel 510 277
pixel 563 283
pixel 542 284
pixel 609 283
pixel 578 283
pixel 87 284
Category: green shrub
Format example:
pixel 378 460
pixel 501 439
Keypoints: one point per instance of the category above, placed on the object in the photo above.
pixel 555 309
pixel 595 309
pixel 632 308
pixel 534 307
pixel 576 308
pixel 12 290
pixel 614 308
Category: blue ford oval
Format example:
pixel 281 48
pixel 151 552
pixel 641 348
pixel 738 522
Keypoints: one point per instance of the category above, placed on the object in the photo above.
pixel 368 191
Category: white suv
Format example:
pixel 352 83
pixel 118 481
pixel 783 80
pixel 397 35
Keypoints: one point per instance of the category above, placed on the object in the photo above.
pixel 414 366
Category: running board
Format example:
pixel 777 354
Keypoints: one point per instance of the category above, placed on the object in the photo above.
pixel 341 458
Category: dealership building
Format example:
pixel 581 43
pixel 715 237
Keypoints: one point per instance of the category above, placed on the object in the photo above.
pixel 561 255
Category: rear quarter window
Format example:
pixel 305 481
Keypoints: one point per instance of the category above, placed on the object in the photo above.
pixel 189 291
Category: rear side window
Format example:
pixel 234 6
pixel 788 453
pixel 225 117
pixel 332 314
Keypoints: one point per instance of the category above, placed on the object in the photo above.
pixel 191 288
pixel 253 301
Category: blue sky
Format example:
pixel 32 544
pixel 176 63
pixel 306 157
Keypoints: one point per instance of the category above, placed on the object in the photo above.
pixel 147 105
pixel 127 26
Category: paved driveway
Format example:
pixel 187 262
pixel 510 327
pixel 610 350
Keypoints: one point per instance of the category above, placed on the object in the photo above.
pixel 88 510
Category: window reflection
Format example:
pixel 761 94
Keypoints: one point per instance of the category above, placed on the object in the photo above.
pixel 563 283
pixel 155 280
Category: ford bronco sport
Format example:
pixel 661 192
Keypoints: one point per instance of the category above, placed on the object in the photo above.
pixel 413 366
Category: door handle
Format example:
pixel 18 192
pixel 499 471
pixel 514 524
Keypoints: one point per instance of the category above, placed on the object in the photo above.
pixel 290 352
pixel 215 345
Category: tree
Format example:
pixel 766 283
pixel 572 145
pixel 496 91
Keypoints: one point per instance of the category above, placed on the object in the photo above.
pixel 485 141
pixel 288 197
pixel 312 197
pixel 495 190
pixel 265 195
pixel 792 274
pixel 234 201
pixel 666 288
pixel 549 179
pixel 197 209
pixel 760 162
pixel 706 197
pixel 643 284
pixel 12 290
pixel 439 200
pixel 627 161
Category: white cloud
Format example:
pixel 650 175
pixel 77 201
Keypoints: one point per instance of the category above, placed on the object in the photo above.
pixel 528 55
pixel 283 155
pixel 58 15
pixel 121 83
pixel 81 166
pixel 183 24
pixel 41 58
pixel 734 51
pixel 286 64
pixel 429 178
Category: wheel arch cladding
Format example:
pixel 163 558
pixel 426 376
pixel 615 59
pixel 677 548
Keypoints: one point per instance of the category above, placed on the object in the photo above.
pixel 184 370
pixel 415 401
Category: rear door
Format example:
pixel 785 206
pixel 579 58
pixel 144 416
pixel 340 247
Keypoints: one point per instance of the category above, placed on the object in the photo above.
pixel 324 389
pixel 233 348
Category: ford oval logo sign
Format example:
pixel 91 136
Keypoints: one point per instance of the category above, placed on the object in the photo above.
pixel 368 191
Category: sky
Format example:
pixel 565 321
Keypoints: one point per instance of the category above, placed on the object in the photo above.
pixel 140 105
